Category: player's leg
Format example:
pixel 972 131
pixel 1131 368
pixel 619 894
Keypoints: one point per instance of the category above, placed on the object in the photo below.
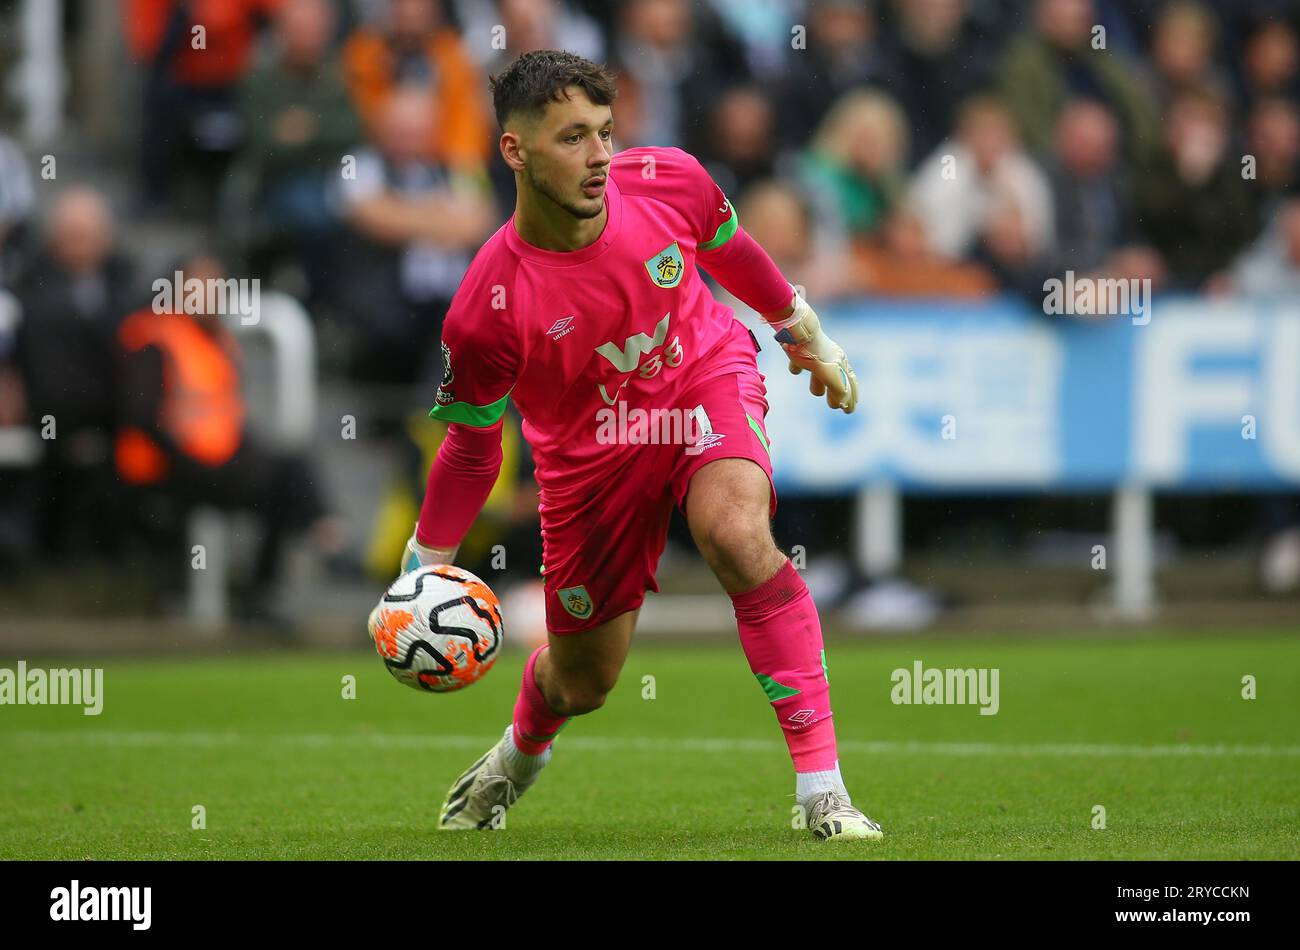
pixel 723 485
pixel 568 676
pixel 599 556
pixel 728 510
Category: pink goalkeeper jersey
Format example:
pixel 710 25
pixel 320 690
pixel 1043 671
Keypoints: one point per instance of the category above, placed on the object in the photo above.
pixel 567 333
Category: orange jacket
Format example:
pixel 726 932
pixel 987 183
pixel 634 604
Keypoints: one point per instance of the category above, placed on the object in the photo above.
pixel 229 27
pixel 462 134
pixel 202 408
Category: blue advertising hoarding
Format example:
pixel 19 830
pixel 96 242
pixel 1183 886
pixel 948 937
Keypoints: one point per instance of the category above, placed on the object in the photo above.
pixel 1205 395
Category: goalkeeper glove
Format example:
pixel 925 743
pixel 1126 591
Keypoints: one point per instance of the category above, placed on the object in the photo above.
pixel 809 348
pixel 418 555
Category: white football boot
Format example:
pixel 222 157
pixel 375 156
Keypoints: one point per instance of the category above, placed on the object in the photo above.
pixel 832 817
pixel 480 796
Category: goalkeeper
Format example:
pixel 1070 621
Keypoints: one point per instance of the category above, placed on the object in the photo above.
pixel 587 304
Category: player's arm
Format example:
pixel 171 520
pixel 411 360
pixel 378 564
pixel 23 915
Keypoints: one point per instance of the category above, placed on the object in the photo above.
pixel 460 480
pixel 741 265
pixel 478 374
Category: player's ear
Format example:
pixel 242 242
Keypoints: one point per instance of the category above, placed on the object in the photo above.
pixel 512 150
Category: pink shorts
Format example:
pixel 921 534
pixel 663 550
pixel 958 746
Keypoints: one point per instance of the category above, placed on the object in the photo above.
pixel 599 556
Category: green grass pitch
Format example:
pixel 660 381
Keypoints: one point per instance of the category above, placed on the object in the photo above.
pixel 1154 729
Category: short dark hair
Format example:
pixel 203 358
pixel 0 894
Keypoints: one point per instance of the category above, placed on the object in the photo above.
pixel 539 77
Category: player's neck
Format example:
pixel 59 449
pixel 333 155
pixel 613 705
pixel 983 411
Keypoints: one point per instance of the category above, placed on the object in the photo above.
pixel 551 228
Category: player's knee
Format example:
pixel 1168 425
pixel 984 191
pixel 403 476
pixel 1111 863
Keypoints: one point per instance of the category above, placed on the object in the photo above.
pixel 737 544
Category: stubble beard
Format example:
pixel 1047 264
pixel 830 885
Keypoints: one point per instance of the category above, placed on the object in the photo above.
pixel 581 211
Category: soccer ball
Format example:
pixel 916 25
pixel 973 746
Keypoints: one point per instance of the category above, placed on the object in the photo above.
pixel 437 628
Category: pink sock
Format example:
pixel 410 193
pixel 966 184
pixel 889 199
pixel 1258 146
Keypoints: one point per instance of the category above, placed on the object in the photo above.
pixel 535 723
pixel 782 639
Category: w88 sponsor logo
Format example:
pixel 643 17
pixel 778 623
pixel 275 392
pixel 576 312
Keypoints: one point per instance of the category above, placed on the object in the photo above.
pixel 670 356
pixel 628 357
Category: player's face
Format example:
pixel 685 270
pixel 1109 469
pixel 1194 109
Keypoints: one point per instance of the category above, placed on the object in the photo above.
pixel 568 152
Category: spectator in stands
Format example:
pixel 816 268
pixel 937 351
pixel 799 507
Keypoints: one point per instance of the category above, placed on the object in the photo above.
pixel 898 261
pixel 763 30
pixel 670 60
pixel 416 226
pixel 1055 61
pixel 1273 141
pixel 299 125
pixel 931 63
pixel 742 145
pixel 1191 201
pixel 840 54
pixel 183 433
pixel 1270 61
pixel 981 179
pixel 72 295
pixel 854 166
pixel 17 201
pixel 414 46
pixel 1271 266
pixel 1007 248
pixel 780 217
pixel 527 25
pixel 195 54
pixel 1095 235
pixel 1090 193
pixel 1182 51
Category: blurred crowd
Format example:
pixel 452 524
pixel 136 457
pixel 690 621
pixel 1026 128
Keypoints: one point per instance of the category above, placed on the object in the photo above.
pixel 345 151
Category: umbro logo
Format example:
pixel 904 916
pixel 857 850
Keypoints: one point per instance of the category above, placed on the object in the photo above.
pixel 706 441
pixel 560 328
pixel 803 715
